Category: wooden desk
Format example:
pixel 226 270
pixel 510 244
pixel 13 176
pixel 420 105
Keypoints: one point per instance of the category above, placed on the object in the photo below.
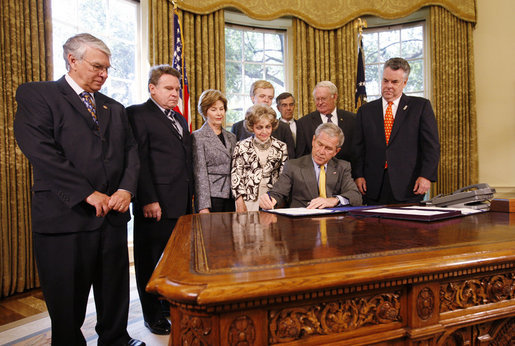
pixel 256 278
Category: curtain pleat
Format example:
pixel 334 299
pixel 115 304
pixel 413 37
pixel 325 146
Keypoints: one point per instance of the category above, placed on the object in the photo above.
pixel 324 55
pixel 26 47
pixel 454 99
pixel 204 48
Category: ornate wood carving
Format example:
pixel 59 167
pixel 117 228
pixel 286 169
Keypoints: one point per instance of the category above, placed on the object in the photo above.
pixel 333 317
pixel 495 333
pixel 242 332
pixel 195 330
pixel 425 303
pixel 473 292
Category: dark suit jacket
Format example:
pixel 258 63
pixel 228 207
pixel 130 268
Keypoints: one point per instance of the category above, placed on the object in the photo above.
pixel 166 160
pixel 413 150
pixel 307 125
pixel 71 158
pixel 298 183
pixel 282 133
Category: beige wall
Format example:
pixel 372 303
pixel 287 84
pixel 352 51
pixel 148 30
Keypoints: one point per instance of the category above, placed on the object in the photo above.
pixel 494 54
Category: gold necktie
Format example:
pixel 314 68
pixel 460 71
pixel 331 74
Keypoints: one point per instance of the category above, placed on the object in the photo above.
pixel 321 182
pixel 323 232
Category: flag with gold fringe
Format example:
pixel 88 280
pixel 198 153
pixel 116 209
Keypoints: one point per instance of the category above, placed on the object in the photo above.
pixel 361 91
pixel 178 63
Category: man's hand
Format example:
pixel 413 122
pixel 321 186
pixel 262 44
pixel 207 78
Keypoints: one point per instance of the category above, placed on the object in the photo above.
pixel 361 183
pixel 422 185
pixel 204 211
pixel 152 210
pixel 101 203
pixel 120 201
pixel 267 202
pixel 321 203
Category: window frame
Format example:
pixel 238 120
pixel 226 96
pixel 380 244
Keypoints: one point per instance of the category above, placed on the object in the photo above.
pixel 421 16
pixel 284 24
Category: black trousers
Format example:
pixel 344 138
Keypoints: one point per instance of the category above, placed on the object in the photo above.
pixel 386 194
pixel 150 238
pixel 222 204
pixel 68 265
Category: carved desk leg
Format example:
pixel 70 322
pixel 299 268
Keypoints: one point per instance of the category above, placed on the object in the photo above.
pixel 424 313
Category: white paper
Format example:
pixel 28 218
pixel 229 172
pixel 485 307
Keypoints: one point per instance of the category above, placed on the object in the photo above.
pixel 300 211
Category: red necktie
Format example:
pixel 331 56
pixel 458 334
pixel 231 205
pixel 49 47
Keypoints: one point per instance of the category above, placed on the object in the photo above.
pixel 388 124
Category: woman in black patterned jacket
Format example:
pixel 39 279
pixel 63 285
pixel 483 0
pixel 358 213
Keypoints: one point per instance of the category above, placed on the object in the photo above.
pixel 258 160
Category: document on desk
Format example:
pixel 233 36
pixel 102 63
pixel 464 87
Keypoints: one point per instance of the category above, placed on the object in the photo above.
pixel 311 212
pixel 409 213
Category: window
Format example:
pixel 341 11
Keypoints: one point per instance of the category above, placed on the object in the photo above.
pixel 406 41
pixel 116 23
pixel 251 54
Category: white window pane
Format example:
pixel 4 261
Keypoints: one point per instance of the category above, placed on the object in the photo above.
pixel 370 47
pixel 233 44
pixel 123 29
pixel 233 78
pixel 274 48
pixel 61 33
pixel 416 77
pixel 275 75
pixel 389 45
pixel 252 72
pixel 65 10
pixel 412 43
pixel 93 16
pixel 372 79
pixel 236 107
pixel 253 46
pixel 123 60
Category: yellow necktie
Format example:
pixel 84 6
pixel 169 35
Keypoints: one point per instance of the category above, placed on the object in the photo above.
pixel 323 232
pixel 321 182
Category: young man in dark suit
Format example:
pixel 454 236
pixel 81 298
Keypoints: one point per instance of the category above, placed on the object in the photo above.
pixel 165 185
pixel 325 95
pixel 396 145
pixel 86 165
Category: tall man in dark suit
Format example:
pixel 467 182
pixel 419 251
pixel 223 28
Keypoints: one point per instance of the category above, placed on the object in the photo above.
pixel 262 91
pixel 317 180
pixel 397 149
pixel 326 95
pixel 286 106
pixel 85 164
pixel 165 185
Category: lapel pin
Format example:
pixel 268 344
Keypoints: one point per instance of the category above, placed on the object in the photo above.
pixel 105 107
pixel 405 107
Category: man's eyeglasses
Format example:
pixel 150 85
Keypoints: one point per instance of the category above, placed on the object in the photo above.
pixel 98 68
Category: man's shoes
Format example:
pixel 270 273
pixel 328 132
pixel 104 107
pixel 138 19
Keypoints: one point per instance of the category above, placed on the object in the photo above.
pixel 135 342
pixel 160 327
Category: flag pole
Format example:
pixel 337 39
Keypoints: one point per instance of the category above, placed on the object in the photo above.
pixel 361 92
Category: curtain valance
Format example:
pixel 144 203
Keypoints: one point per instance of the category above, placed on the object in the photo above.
pixel 329 14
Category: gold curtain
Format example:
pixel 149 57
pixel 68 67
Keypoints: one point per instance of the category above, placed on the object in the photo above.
pixel 204 48
pixel 454 99
pixel 330 14
pixel 324 55
pixel 26 56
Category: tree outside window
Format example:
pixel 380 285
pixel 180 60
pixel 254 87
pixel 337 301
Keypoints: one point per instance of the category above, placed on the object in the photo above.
pixel 381 44
pixel 251 54
pixel 113 21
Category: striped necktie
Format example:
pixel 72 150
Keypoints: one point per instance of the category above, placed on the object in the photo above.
pixel 88 101
pixel 170 115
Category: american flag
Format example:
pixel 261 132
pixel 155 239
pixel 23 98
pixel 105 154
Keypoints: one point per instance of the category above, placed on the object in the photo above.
pixel 183 106
pixel 361 91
